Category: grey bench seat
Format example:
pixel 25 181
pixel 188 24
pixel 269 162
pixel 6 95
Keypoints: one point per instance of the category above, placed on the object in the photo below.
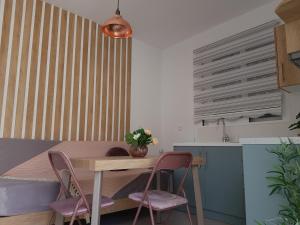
pixel 26 196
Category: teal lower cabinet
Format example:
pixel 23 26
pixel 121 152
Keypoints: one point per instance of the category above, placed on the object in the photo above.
pixel 260 206
pixel 222 183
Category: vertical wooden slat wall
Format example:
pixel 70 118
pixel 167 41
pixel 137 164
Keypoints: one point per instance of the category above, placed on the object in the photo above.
pixel 60 77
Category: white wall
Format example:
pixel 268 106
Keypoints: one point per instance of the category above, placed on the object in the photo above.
pixel 146 89
pixel 177 87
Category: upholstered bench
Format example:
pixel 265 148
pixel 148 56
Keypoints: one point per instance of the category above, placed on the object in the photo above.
pixel 116 184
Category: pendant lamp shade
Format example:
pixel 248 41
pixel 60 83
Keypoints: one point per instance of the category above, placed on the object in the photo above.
pixel 117 27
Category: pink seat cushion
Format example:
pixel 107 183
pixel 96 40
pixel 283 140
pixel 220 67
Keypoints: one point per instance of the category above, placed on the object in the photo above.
pixel 66 207
pixel 159 200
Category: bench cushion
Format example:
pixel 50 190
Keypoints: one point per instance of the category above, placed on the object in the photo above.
pixel 26 196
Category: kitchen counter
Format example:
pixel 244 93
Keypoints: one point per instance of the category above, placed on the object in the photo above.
pixel 243 141
pixel 208 144
pixel 269 141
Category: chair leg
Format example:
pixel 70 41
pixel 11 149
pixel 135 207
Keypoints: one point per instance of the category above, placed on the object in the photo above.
pixel 72 219
pixel 189 214
pixel 137 214
pixel 151 215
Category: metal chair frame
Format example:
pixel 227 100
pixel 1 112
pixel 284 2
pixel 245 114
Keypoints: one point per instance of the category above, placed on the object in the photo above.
pixel 167 161
pixel 61 164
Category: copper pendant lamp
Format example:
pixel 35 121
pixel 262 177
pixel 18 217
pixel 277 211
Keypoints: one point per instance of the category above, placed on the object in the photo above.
pixel 117 27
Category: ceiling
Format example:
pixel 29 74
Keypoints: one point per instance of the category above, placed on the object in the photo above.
pixel 162 23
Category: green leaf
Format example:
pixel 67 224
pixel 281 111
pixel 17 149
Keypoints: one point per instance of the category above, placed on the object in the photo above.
pixel 275 189
pixel 284 180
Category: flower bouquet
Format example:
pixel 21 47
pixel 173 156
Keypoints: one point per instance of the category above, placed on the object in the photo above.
pixel 139 141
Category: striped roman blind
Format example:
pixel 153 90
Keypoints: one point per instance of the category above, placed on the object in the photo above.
pixel 236 77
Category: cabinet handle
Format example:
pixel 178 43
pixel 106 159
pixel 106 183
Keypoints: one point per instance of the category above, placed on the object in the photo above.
pixel 203 155
pixel 206 160
pixel 282 72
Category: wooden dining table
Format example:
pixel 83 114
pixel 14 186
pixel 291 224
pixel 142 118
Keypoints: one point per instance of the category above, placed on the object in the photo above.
pixel 101 164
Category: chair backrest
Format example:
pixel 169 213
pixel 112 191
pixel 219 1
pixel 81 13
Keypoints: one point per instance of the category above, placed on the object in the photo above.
pixel 61 164
pixel 117 151
pixel 172 161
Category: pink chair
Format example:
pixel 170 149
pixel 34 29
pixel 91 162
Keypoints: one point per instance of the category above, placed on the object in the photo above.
pixel 66 204
pixel 158 200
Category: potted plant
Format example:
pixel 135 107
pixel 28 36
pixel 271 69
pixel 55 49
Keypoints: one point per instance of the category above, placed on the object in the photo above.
pixel 285 180
pixel 296 125
pixel 139 141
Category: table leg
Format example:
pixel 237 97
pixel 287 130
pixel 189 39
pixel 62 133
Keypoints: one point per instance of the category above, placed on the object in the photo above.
pixel 171 182
pixel 198 199
pixel 59 219
pixel 96 207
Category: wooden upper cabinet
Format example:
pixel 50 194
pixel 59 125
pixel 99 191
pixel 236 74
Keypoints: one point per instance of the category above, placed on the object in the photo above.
pixel 292 31
pixel 288 10
pixel 288 72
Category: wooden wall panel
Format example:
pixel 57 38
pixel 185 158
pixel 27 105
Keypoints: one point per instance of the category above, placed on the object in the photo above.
pixel 60 77
pixel 83 88
pixel 33 70
pixel 117 90
pixel 104 90
pixel 6 27
pixel 74 103
pixel 43 73
pixel 68 81
pixel 12 74
pixel 90 111
pixel 51 74
pixel 23 69
pixel 128 85
pixel 122 90
pixel 110 89
pixel 98 90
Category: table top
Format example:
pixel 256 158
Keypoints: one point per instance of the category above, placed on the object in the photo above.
pixel 122 162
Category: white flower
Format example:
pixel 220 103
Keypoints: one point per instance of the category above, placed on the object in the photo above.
pixel 136 136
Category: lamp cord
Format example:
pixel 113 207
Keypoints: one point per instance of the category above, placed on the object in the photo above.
pixel 118 10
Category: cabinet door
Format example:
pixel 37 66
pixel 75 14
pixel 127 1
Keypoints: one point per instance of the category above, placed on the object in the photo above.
pixel 288 73
pixel 224 183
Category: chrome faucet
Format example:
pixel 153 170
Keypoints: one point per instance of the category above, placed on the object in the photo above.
pixel 225 138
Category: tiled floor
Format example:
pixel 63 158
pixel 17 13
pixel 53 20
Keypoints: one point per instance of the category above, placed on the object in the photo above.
pixel 126 218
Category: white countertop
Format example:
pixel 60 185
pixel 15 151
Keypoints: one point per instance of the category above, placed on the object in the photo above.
pixel 268 141
pixel 207 144
pixel 243 141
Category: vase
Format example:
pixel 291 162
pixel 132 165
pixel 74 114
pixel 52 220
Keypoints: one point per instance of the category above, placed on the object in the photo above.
pixel 138 151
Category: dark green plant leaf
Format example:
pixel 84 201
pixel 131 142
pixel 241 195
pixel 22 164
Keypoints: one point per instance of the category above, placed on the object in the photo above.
pixel 284 180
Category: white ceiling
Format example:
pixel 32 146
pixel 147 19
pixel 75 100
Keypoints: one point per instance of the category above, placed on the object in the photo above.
pixel 162 23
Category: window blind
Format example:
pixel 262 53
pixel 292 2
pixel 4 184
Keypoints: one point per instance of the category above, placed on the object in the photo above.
pixel 237 76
